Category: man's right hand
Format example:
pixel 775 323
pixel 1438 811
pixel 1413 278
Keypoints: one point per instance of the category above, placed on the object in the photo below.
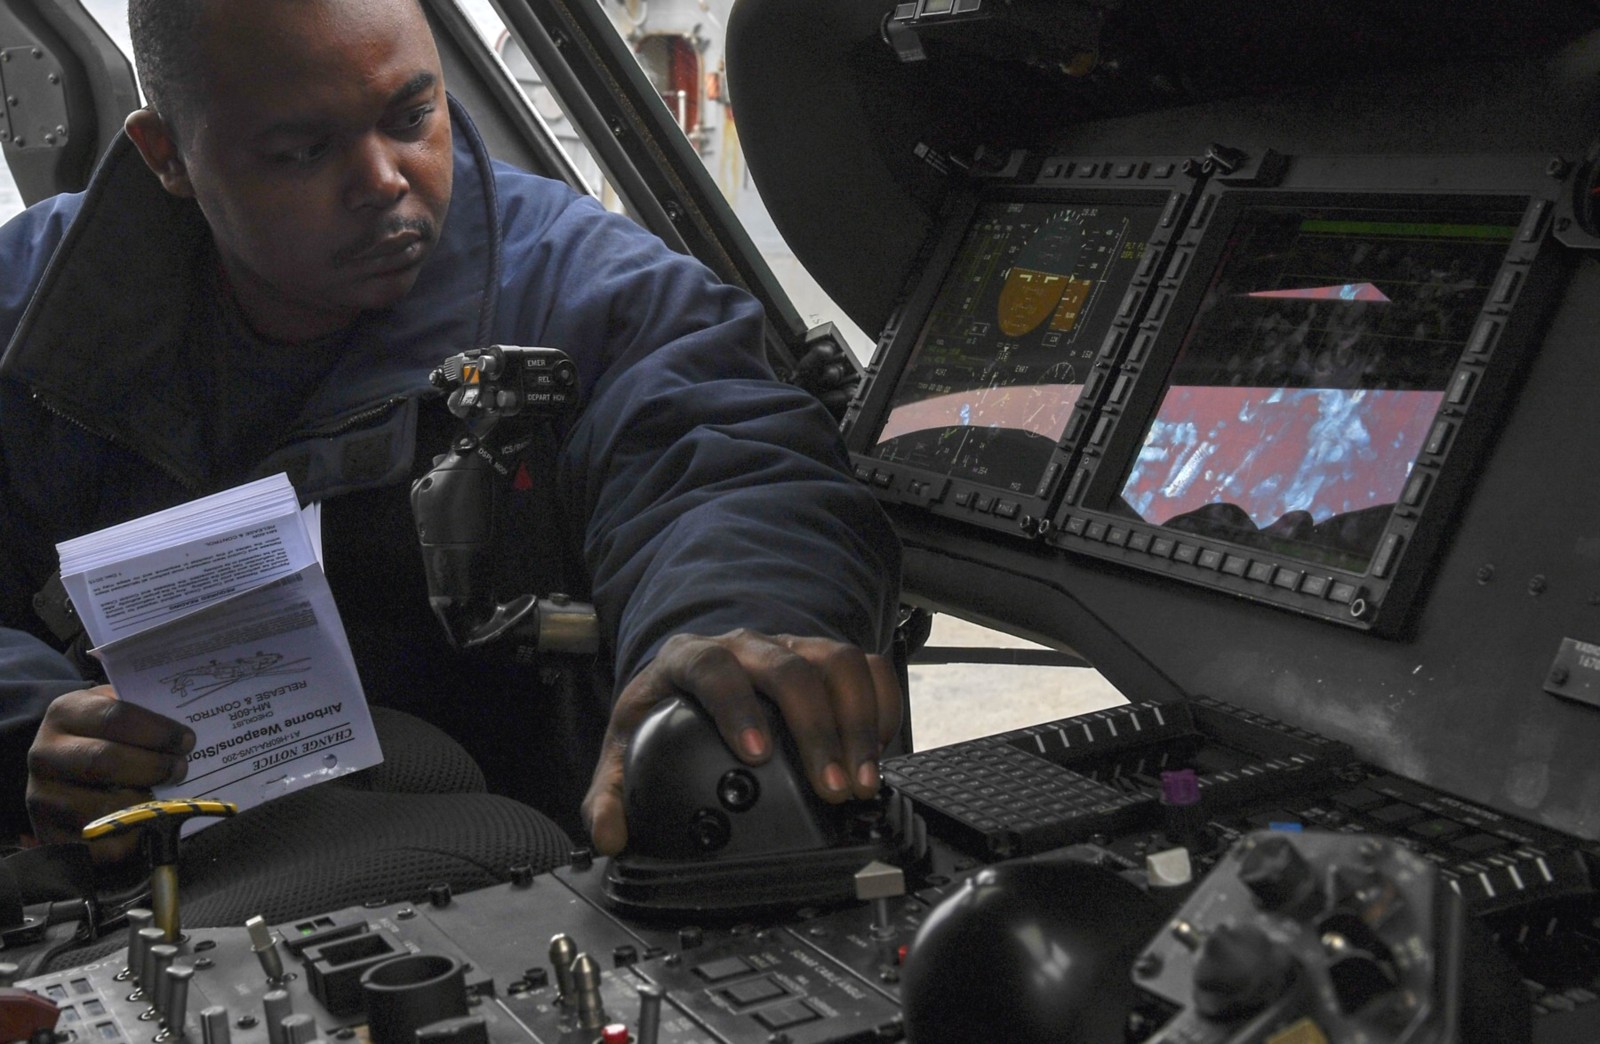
pixel 95 754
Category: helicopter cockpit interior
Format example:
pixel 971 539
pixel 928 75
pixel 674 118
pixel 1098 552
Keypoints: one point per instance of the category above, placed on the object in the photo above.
pixel 1244 352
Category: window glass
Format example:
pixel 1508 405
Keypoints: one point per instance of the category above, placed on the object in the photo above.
pixel 546 105
pixel 679 46
pixel 113 17
pixel 10 198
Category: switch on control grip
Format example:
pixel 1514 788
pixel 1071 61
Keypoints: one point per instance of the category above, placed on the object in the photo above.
pixel 688 797
pixel 709 835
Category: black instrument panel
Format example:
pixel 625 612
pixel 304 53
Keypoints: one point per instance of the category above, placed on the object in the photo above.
pixel 1003 356
pixel 995 361
pixel 1266 376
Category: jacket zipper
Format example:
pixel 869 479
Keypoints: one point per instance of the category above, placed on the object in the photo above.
pixel 350 423
pixel 177 476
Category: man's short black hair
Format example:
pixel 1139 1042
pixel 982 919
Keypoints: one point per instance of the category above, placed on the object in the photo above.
pixel 164 53
pixel 166 56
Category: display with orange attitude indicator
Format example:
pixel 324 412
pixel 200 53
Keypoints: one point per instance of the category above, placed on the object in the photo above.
pixel 1020 316
pixel 1071 306
pixel 1029 297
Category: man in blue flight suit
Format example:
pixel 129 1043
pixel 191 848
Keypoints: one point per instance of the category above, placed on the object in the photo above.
pixel 259 279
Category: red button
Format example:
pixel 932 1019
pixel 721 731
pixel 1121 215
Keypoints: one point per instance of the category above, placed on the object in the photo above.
pixel 24 1013
pixel 616 1033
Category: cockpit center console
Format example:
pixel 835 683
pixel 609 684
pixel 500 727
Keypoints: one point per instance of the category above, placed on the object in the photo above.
pixel 1259 374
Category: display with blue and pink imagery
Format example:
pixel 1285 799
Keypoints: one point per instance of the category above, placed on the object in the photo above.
pixel 1311 375
pixel 1016 325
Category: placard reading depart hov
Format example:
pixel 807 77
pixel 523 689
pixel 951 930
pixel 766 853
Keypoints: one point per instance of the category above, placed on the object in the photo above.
pixel 216 613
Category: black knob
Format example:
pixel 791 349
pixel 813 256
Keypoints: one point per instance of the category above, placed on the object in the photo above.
pixel 536 977
pixel 1361 978
pixel 1225 159
pixel 710 830
pixel 1278 876
pixel 1354 885
pixel 738 790
pixel 1239 972
pixel 439 894
pixel 403 994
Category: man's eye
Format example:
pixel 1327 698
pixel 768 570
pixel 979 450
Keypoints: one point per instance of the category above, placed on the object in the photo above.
pixel 414 119
pixel 305 155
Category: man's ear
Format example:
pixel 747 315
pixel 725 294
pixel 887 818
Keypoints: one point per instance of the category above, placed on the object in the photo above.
pixel 153 138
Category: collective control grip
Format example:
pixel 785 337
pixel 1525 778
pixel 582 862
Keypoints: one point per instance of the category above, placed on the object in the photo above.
pixel 500 394
pixel 487 385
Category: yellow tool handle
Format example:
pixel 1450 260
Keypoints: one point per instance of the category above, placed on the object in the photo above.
pixel 135 817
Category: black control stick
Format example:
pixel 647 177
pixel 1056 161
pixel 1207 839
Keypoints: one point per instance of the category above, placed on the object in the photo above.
pixel 499 393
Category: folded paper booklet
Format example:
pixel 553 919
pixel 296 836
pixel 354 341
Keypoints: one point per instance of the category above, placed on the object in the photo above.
pixel 216 613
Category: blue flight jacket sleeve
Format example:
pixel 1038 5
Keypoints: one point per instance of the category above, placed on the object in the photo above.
pixel 31 672
pixel 31 675
pixel 713 496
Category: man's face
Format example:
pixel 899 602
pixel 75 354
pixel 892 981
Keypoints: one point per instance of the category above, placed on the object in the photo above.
pixel 319 152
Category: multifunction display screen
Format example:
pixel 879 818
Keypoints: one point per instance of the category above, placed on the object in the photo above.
pixel 1014 328
pixel 1309 378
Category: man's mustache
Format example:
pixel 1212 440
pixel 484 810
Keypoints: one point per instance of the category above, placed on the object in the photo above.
pixel 422 226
